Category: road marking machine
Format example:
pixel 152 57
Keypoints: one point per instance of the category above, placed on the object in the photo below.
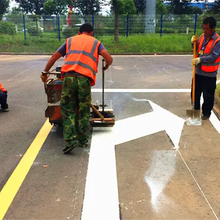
pixel 100 116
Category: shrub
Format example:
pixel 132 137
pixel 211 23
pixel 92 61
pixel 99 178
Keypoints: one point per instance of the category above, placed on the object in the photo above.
pixel 7 28
pixel 33 31
pixel 69 31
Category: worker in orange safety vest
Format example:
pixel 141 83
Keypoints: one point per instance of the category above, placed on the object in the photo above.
pixel 80 67
pixel 207 64
pixel 3 99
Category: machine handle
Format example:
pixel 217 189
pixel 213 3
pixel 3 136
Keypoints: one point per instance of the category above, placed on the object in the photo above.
pixel 103 85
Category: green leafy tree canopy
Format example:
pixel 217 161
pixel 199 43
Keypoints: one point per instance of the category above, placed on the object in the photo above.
pixel 125 7
pixel 86 7
pixel 32 6
pixel 216 8
pixel 56 6
pixel 4 5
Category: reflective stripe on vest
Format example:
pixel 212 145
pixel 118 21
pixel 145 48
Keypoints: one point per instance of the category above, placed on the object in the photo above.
pixel 209 67
pixel 82 56
pixel 84 52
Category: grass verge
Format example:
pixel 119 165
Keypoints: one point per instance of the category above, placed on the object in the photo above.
pixel 133 44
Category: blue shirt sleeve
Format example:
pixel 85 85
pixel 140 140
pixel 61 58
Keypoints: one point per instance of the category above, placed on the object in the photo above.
pixel 62 49
pixel 101 47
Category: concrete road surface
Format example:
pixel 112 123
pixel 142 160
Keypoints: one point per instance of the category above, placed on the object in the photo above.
pixel 149 166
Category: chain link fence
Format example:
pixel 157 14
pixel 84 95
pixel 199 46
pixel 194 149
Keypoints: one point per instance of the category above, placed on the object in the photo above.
pixel 61 26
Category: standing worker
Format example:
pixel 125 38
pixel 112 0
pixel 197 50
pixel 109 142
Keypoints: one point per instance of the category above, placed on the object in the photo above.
pixel 207 64
pixel 3 99
pixel 81 63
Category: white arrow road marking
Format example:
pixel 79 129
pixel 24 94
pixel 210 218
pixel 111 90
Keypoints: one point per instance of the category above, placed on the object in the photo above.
pixel 101 191
pixel 172 124
pixel 215 122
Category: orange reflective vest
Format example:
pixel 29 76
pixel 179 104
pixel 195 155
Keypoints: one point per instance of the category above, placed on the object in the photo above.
pixel 2 89
pixel 82 56
pixel 208 67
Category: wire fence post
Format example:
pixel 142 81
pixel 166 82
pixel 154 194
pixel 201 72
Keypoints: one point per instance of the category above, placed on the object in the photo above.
pixel 93 24
pixel 195 24
pixel 58 26
pixel 24 27
pixel 127 25
pixel 161 25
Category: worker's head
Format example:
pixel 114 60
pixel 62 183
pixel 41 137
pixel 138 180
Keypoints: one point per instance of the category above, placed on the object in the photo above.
pixel 86 29
pixel 209 25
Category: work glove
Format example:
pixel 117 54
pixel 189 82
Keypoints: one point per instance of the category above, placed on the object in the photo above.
pixel 44 76
pixel 194 38
pixel 196 61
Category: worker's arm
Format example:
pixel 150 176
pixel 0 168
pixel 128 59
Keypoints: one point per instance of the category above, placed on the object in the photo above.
pixel 50 63
pixel 107 57
pixel 52 60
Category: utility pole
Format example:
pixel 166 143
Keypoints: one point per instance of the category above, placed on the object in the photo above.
pixel 150 16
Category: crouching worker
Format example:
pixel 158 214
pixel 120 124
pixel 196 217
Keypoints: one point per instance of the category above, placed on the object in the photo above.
pixel 3 99
pixel 80 67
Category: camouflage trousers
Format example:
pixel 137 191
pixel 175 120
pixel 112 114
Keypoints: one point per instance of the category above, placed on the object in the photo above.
pixel 75 109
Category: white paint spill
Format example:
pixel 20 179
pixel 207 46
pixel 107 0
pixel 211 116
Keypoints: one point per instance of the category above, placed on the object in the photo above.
pixel 162 168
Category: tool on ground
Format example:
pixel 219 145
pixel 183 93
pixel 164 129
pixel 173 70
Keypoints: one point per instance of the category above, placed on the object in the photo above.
pixel 102 117
pixel 193 117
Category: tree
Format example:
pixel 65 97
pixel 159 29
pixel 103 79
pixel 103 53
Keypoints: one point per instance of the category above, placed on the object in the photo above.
pixel 32 6
pixel 179 7
pixel 86 7
pixel 216 8
pixel 4 5
pixel 160 7
pixel 56 6
pixel 140 6
pixel 126 7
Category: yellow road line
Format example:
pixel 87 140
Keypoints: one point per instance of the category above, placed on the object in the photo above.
pixel 13 184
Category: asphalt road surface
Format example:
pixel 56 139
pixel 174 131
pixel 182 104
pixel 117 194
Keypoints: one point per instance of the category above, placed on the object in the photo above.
pixel 149 166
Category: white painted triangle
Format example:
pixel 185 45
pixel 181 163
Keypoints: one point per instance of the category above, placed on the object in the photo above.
pixel 172 124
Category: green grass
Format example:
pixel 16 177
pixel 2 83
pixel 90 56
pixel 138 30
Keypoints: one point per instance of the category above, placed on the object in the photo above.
pixel 133 44
pixel 218 88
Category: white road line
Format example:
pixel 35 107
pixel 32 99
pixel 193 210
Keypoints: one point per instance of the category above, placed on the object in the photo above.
pixel 143 90
pixel 198 185
pixel 171 75
pixel 21 73
pixel 140 73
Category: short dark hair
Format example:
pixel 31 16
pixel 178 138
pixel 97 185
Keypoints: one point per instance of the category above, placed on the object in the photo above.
pixel 211 21
pixel 86 28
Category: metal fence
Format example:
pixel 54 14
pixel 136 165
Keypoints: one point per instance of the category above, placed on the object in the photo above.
pixel 61 27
